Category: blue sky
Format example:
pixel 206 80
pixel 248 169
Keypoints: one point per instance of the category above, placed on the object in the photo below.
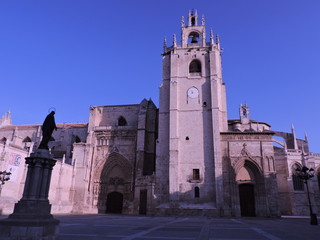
pixel 73 54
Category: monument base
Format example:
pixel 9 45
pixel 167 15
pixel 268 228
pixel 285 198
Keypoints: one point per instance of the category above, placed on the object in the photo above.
pixel 31 218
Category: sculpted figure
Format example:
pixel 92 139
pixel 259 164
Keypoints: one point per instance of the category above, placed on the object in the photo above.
pixel 48 126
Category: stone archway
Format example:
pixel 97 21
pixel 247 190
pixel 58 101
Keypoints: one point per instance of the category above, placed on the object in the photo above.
pixel 251 190
pixel 113 184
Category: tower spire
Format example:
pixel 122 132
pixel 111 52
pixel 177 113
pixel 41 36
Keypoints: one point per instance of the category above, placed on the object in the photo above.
pixel 218 41
pixel 182 21
pixel 165 44
pixel 211 37
pixel 306 137
pixel 295 144
pixel 174 40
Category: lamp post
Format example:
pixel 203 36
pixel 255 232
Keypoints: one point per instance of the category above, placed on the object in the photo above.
pixel 4 176
pixel 306 174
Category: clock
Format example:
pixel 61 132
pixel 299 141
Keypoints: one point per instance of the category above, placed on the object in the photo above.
pixel 193 92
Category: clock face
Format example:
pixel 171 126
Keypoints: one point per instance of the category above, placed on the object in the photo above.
pixel 193 92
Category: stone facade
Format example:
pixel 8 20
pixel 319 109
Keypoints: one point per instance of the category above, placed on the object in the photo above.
pixel 185 158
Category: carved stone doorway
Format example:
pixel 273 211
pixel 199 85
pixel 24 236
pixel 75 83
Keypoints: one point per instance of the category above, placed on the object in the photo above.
pixel 247 201
pixel 114 202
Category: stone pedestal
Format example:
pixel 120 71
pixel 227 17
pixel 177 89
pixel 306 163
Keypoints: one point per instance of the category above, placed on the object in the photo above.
pixel 31 218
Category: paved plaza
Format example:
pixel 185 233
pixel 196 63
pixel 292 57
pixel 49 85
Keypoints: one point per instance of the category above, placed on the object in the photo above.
pixel 121 227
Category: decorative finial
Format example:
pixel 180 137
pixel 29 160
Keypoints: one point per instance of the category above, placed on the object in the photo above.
pixel 203 20
pixel 174 40
pixel 217 38
pixel 165 44
pixel 182 21
pixel 306 137
pixel 218 41
pixel 211 37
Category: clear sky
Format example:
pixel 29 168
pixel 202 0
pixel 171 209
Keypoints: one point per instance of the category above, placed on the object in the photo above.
pixel 70 54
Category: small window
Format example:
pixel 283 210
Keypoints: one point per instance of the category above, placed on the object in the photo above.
pixel 196 174
pixel 195 67
pixel 296 180
pixel 196 192
pixel 122 121
pixel 77 139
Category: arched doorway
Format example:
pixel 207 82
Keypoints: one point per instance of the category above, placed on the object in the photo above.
pixel 247 200
pixel 250 186
pixel 114 202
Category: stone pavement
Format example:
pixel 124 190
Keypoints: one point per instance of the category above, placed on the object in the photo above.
pixel 121 227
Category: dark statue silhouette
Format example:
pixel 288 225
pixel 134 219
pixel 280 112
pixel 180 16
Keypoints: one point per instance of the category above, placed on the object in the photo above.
pixel 48 126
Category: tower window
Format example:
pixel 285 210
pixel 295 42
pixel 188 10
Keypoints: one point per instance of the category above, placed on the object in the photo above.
pixel 196 174
pixel 196 192
pixel 122 121
pixel 195 67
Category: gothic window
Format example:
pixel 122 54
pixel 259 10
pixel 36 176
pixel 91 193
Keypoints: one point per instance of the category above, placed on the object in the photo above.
pixel 122 121
pixel 196 174
pixel 193 37
pixel 297 181
pixel 195 67
pixel 3 140
pixel 196 192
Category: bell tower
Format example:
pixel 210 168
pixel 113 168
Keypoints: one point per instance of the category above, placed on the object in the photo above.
pixel 192 114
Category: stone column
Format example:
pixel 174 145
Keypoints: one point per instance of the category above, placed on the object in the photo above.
pixel 31 218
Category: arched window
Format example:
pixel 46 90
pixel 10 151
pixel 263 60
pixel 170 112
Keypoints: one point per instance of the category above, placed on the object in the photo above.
pixel 3 140
pixel 195 67
pixel 296 180
pixel 122 121
pixel 26 139
pixel 193 37
pixel 196 192
pixel 77 139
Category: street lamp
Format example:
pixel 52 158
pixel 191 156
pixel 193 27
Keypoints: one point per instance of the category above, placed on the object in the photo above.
pixel 306 174
pixel 4 176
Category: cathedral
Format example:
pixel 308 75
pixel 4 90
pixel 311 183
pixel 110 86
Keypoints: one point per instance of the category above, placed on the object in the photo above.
pixel 183 158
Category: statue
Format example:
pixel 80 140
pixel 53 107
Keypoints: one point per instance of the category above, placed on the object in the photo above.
pixel 48 126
